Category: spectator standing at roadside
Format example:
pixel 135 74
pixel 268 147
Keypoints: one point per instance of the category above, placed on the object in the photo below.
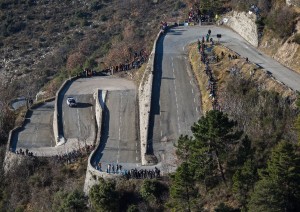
pixel 207 38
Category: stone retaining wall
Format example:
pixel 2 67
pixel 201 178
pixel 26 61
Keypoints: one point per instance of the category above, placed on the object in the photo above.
pixel 244 24
pixel 11 158
pixel 145 93
pixel 92 174
pixel 56 114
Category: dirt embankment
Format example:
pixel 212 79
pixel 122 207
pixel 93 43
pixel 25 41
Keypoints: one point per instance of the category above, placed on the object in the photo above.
pixel 286 51
pixel 263 107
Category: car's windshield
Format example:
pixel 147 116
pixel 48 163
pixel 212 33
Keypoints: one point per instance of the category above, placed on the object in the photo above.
pixel 71 100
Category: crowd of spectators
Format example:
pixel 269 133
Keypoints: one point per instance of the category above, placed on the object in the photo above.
pixel 26 152
pixel 212 83
pixel 134 62
pixel 194 15
pixel 142 174
pixel 74 155
pixel 132 173
pixel 67 157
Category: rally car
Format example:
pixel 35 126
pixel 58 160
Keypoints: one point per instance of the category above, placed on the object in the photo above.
pixel 71 102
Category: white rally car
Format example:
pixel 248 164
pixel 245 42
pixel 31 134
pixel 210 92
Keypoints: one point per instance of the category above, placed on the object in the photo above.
pixel 71 102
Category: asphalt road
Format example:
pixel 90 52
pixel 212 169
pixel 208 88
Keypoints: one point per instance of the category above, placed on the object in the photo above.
pixel 77 124
pixel 119 136
pixel 37 131
pixel 175 97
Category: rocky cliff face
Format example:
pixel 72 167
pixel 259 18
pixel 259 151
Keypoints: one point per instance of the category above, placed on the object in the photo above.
pixel 293 2
pixel 285 51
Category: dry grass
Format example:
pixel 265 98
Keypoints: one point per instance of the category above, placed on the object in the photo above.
pixel 200 76
pixel 221 71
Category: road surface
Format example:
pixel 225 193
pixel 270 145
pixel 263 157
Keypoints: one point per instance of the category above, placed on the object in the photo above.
pixel 119 137
pixel 77 124
pixel 175 97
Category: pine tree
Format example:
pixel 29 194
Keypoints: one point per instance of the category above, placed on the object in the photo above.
pixel 216 133
pixel 243 182
pixel 183 150
pixel 183 193
pixel 298 118
pixel 103 196
pixel 279 186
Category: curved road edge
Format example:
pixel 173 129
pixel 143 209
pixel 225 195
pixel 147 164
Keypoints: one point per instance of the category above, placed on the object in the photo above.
pixel 92 174
pixel 58 136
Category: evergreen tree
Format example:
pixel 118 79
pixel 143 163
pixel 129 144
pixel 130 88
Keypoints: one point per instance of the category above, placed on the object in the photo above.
pixel 279 186
pixel 243 182
pixel 298 118
pixel 183 150
pixel 245 151
pixel 74 201
pixel 103 196
pixel 183 193
pixel 215 132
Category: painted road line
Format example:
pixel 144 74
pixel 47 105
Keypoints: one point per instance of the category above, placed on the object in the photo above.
pixel 79 128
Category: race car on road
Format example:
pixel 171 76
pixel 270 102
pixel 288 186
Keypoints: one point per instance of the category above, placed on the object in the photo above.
pixel 71 102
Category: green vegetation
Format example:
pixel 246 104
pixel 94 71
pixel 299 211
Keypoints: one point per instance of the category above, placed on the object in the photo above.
pixel 220 167
pixel 103 196
pixel 296 38
pixel 279 186
pixel 281 21
pixel 73 201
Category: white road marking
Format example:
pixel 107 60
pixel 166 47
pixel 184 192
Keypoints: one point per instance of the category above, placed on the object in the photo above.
pixel 161 133
pixel 183 48
pixel 194 100
pixel 192 90
pixel 136 158
pixel 79 128
pixel 196 109
pixel 120 122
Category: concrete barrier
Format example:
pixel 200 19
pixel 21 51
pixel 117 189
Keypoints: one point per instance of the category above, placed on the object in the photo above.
pixel 17 128
pixel 58 139
pixel 145 93
pixel 92 174
pixel 11 158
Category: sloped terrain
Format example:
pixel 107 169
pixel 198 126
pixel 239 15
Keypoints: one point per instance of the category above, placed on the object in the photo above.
pixel 41 39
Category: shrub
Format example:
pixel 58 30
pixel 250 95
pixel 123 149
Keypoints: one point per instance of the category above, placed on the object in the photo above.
pixel 103 18
pixel 297 38
pixel 281 21
pixel 95 5
pixel 150 190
